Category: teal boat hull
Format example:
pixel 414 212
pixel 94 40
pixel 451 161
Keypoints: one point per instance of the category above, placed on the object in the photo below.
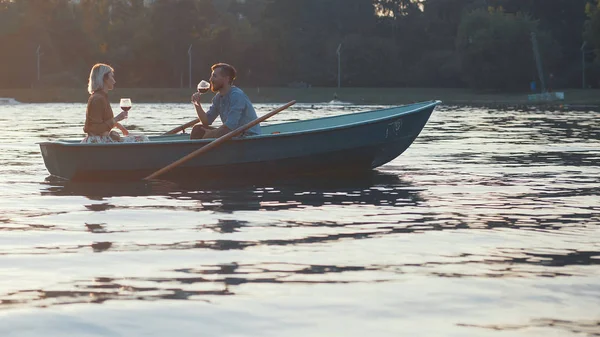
pixel 331 145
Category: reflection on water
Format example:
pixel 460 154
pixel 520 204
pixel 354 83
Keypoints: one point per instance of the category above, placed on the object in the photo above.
pixel 214 280
pixel 374 188
pixel 585 328
pixel 487 224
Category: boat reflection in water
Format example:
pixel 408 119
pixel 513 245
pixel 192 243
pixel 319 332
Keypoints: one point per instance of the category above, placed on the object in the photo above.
pixel 200 281
pixel 371 188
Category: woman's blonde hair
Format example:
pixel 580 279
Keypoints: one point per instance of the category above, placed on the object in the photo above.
pixel 98 74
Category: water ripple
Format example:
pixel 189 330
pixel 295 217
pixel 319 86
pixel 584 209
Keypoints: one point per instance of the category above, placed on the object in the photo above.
pixel 492 214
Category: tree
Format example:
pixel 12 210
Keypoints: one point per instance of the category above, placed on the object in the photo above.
pixel 564 20
pixel 592 36
pixel 278 42
pixel 592 26
pixel 495 49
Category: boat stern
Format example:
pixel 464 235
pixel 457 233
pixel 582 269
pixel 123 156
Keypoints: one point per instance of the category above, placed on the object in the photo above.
pixel 57 160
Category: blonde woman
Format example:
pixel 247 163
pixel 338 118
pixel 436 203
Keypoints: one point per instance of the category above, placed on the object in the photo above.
pixel 99 117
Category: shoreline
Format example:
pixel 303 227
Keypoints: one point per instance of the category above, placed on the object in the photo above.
pixel 588 98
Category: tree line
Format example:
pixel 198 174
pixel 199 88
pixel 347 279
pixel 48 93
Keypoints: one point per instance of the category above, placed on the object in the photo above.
pixel 481 44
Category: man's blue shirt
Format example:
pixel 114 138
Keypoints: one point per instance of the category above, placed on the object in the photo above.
pixel 235 110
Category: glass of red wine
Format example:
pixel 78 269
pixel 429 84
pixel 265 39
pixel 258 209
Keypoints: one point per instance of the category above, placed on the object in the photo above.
pixel 126 105
pixel 203 86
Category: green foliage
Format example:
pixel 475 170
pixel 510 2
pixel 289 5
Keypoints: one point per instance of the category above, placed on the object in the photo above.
pixel 495 49
pixel 450 43
pixel 592 26
pixel 379 55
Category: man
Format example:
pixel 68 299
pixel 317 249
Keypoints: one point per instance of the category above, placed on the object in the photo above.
pixel 230 104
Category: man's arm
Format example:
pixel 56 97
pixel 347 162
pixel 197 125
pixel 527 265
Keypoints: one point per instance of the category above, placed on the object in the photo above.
pixel 199 111
pixel 236 108
pixel 206 117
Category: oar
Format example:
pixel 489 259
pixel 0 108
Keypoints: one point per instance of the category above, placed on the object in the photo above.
pixel 182 127
pixel 219 141
pixel 185 126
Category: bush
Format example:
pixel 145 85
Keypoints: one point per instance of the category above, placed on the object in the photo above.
pixel 63 79
pixel 495 50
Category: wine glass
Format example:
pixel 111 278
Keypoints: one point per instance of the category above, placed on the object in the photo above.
pixel 125 106
pixel 203 86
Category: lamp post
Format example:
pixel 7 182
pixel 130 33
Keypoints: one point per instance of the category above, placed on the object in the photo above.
pixel 190 63
pixel 538 61
pixel 583 64
pixel 39 54
pixel 339 56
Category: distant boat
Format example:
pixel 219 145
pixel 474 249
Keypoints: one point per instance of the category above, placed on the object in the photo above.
pixel 546 97
pixel 8 101
pixel 338 102
pixel 354 142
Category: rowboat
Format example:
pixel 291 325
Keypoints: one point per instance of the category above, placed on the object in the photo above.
pixel 8 101
pixel 354 142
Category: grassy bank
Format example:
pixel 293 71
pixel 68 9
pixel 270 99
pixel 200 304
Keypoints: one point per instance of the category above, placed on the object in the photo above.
pixel 386 96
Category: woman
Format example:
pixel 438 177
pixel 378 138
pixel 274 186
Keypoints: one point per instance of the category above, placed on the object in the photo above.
pixel 99 118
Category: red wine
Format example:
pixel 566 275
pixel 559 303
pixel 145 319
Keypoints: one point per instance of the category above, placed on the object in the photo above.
pixel 203 90
pixel 125 108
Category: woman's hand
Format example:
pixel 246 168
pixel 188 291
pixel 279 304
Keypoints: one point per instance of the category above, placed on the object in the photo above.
pixel 122 128
pixel 121 116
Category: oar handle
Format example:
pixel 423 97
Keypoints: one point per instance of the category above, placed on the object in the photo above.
pixel 219 141
pixel 182 127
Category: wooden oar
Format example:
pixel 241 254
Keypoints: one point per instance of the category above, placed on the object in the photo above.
pixel 182 127
pixel 219 141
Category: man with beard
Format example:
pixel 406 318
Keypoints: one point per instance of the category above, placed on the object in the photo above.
pixel 230 104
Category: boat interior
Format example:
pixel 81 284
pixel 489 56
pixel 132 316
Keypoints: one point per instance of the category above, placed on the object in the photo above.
pixel 316 124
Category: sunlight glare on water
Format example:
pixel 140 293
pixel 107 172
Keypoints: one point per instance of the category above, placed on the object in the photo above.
pixel 486 226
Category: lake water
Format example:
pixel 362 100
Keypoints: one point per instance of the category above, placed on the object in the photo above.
pixel 487 226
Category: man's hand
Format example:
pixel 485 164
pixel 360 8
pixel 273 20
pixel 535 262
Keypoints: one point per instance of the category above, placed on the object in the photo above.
pixel 196 99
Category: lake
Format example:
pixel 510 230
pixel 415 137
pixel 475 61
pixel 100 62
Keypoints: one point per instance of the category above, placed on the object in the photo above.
pixel 488 225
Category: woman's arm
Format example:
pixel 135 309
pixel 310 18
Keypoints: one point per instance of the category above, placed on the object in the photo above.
pixel 122 128
pixel 96 122
pixel 99 117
